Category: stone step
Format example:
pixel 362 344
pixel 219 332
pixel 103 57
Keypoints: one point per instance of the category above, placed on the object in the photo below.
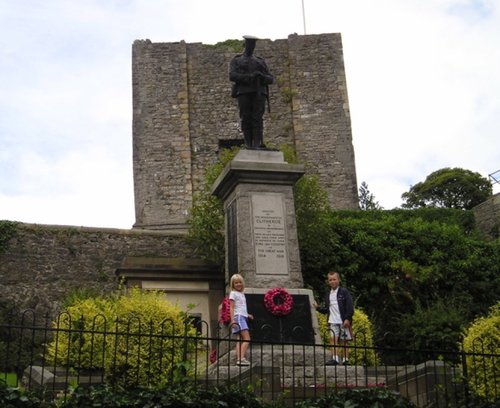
pixel 57 378
pixel 298 376
pixel 286 355
pixel 295 366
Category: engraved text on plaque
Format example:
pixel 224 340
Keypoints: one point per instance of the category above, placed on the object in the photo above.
pixel 269 234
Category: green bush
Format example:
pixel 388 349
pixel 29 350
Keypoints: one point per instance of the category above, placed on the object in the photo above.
pixel 376 397
pixel 79 341
pixel 15 327
pixel 138 338
pixel 435 328
pixel 362 352
pixel 186 395
pixel 228 45
pixel 171 396
pixel 11 397
pixel 206 220
pixel 483 337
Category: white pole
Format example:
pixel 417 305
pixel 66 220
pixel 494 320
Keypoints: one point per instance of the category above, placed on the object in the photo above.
pixel 304 16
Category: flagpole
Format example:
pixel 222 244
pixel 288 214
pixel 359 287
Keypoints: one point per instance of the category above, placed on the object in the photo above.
pixel 304 16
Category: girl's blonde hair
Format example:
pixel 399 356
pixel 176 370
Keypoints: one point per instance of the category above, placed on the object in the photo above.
pixel 234 278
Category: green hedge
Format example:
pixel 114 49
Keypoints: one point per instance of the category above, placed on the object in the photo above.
pixel 187 396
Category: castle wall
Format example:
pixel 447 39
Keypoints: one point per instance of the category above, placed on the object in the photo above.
pixel 487 216
pixel 183 110
pixel 43 263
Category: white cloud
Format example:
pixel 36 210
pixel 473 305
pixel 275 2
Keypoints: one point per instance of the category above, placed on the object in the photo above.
pixel 80 188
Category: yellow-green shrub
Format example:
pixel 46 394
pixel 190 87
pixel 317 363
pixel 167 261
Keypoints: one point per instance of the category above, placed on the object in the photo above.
pixel 483 337
pixel 79 341
pixel 138 338
pixel 361 348
pixel 170 338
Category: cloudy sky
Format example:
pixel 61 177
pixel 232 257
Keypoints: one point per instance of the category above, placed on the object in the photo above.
pixel 423 81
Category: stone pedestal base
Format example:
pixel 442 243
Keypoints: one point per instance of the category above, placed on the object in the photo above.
pixel 261 233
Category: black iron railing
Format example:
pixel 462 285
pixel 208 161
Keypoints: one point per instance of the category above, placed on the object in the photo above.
pixel 57 354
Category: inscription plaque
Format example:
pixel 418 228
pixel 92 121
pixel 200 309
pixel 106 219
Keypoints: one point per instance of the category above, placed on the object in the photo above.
pixel 269 234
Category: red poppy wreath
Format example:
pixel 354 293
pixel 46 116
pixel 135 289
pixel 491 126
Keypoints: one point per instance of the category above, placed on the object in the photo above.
pixel 278 301
pixel 225 312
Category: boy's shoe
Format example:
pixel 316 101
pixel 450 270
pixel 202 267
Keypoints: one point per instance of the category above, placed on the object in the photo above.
pixel 346 362
pixel 244 362
pixel 331 362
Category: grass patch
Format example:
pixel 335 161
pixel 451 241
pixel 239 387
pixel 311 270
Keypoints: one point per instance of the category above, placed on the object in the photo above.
pixel 10 379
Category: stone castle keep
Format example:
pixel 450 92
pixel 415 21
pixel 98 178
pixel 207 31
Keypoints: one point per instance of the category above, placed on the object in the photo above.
pixel 183 115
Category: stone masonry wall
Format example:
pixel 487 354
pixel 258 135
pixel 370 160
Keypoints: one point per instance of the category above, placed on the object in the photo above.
pixel 182 109
pixel 487 216
pixel 321 117
pixel 161 145
pixel 43 263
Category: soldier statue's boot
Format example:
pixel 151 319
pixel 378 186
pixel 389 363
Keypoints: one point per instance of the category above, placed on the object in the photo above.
pixel 258 138
pixel 247 135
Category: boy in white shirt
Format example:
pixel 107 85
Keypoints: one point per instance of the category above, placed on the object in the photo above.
pixel 340 309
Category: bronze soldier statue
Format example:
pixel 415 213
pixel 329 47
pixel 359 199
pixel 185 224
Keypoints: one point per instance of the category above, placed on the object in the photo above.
pixel 251 79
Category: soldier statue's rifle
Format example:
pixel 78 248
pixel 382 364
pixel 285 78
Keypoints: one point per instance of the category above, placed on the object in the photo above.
pixel 259 93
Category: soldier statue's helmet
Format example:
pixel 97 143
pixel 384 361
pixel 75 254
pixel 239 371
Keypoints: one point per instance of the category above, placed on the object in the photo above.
pixel 250 38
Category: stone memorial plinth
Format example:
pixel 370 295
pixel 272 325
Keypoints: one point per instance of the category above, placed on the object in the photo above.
pixel 262 245
pixel 261 233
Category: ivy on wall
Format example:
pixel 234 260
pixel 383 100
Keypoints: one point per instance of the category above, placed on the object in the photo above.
pixel 7 230
pixel 228 45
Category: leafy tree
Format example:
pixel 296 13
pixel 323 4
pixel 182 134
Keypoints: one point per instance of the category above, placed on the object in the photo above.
pixel 449 188
pixel 311 209
pixel 367 199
